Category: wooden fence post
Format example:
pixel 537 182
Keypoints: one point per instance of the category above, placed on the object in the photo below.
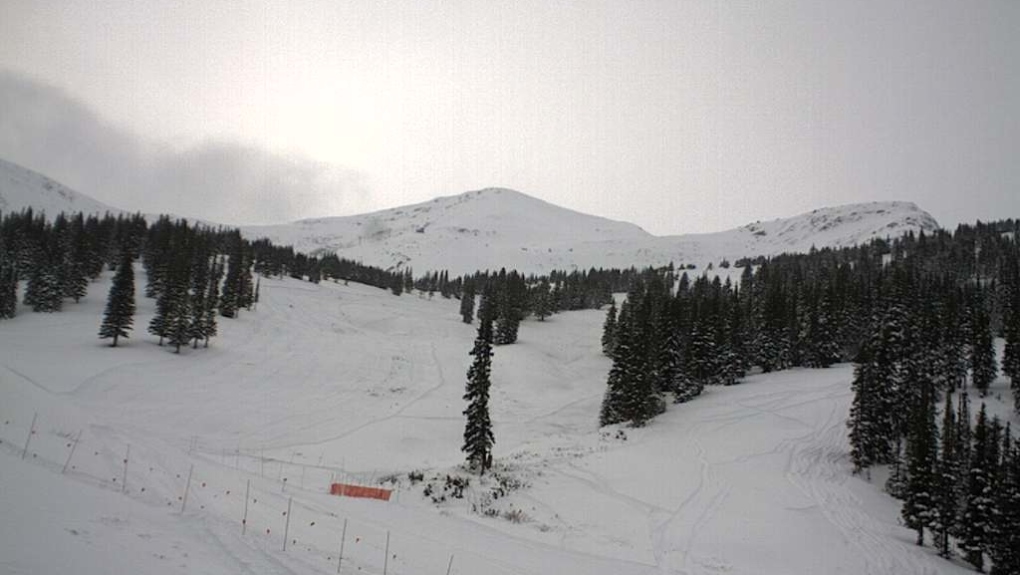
pixel 286 528
pixel 244 520
pixel 386 558
pixel 127 456
pixel 31 432
pixel 187 487
pixel 70 455
pixel 343 539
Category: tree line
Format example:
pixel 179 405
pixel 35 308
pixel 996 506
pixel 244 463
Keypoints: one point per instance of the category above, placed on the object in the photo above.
pixel 195 273
pixel 918 317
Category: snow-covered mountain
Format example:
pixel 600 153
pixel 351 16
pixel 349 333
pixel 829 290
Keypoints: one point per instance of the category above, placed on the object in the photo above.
pixel 493 228
pixel 496 227
pixel 22 188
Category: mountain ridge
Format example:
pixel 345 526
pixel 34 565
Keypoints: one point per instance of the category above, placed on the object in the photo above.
pixel 493 228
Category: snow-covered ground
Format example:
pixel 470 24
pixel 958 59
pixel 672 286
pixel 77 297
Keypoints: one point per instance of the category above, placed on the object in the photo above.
pixel 352 383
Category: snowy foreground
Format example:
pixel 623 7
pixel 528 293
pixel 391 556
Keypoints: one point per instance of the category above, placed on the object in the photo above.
pixel 353 383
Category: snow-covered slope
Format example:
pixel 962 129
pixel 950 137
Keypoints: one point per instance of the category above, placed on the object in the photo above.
pixel 484 229
pixel 330 381
pixel 22 188
pixel 494 228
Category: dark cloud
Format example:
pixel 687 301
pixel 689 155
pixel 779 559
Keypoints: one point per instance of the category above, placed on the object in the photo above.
pixel 45 129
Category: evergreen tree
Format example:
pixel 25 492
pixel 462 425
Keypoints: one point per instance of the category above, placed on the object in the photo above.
pixel 869 438
pixel 120 303
pixel 44 291
pixel 200 270
pixel 212 299
pixel 946 480
pixel 75 260
pixel 509 296
pixel 159 324
pixel 982 355
pixel 976 523
pixel 467 302
pixel 919 506
pixel 609 331
pixel 8 288
pixel 230 299
pixel 631 393
pixel 1011 331
pixel 541 301
pixel 1005 551
pixel 478 437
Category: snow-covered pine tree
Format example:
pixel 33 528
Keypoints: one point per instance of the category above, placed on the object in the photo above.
pixel 869 434
pixel 947 476
pixel 510 292
pixel 1011 329
pixel 919 510
pixel 975 524
pixel 230 298
pixel 1005 552
pixel 75 259
pixel 467 302
pixel 199 279
pixel 612 410
pixel 212 300
pixel 982 352
pixel 609 331
pixel 8 283
pixel 120 302
pixel 541 301
pixel 43 291
pixel 478 437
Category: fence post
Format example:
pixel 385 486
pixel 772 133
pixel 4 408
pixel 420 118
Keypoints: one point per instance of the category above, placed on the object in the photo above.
pixel 343 539
pixel 286 528
pixel 31 432
pixel 70 455
pixel 127 456
pixel 244 520
pixel 187 487
pixel 386 558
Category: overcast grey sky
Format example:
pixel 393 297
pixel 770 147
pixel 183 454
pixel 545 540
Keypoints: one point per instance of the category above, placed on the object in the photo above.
pixel 679 116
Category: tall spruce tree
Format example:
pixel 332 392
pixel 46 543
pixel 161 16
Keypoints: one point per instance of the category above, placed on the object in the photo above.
pixel 478 437
pixel 919 506
pixel 1005 552
pixel 44 292
pixel 212 300
pixel 609 331
pixel 230 298
pixel 467 302
pixel 982 354
pixel 120 303
pixel 541 300
pixel 869 434
pixel 947 477
pixel 976 522
pixel 8 288
pixel 1011 331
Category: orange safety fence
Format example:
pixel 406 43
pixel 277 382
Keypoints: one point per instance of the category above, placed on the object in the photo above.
pixel 346 490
